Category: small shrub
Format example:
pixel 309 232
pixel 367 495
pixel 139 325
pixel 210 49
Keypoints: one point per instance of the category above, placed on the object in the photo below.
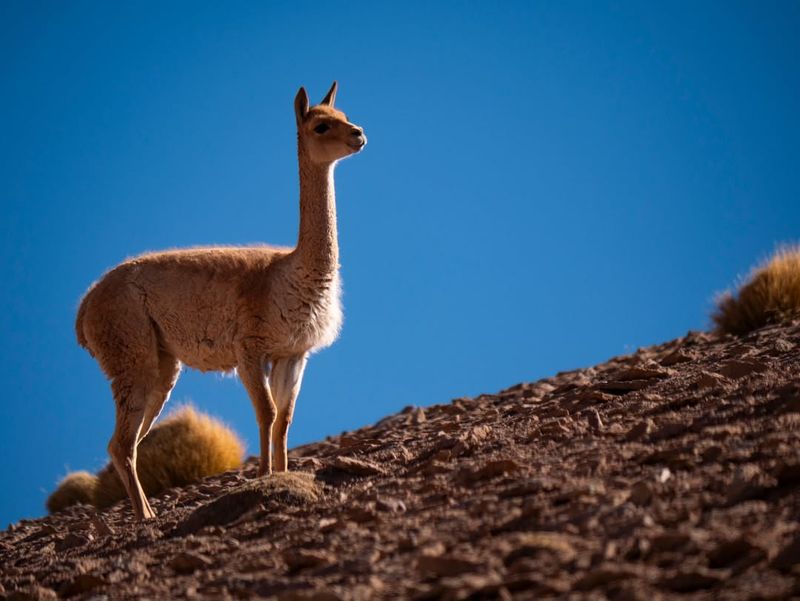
pixel 771 294
pixel 74 488
pixel 185 447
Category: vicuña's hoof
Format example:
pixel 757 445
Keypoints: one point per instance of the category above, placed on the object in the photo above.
pixel 144 512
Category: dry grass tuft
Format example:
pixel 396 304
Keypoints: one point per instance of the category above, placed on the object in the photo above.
pixel 290 488
pixel 74 488
pixel 770 295
pixel 185 447
pixel 262 494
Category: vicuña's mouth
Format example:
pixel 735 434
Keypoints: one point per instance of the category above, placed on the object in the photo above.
pixel 358 143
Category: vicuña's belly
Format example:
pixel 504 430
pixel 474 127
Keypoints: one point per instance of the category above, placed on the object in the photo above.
pixel 208 356
pixel 206 350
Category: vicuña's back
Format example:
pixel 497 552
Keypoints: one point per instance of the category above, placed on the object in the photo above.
pixel 258 309
pixel 194 298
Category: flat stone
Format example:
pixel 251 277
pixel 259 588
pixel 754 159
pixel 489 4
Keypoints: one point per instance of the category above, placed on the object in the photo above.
pixel 82 583
pixel 750 482
pixel 675 357
pixel 641 429
pixel 42 532
pixel 489 470
pixel 32 593
pixel 669 541
pixel 601 577
pixel 322 595
pixel 692 580
pixel 735 551
pixel 72 541
pixel 736 368
pixel 641 493
pixel 357 467
pixel 101 527
pixel 302 559
pixel 789 556
pixel 187 562
pixel 638 373
pixel 389 504
pixel 534 544
pixel 446 565
pixel 623 386
pixel 708 379
pixel 362 515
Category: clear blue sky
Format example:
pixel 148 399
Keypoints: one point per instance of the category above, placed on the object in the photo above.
pixel 547 184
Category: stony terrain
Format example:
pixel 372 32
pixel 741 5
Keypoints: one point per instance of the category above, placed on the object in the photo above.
pixel 672 472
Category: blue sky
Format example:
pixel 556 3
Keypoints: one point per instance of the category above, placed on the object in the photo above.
pixel 547 184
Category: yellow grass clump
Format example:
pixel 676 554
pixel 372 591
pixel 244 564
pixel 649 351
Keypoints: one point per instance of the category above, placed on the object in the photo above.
pixel 77 487
pixel 770 295
pixel 185 447
pixel 290 487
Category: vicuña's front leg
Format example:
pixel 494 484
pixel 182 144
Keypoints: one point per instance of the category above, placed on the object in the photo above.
pixel 254 377
pixel 284 381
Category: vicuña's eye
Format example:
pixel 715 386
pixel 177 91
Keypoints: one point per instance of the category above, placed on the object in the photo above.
pixel 322 128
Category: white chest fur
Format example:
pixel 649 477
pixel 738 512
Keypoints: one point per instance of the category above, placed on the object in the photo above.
pixel 327 315
pixel 312 315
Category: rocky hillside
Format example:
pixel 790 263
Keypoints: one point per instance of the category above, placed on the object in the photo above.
pixel 671 472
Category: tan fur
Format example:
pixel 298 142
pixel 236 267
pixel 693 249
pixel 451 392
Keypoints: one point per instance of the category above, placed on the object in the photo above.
pixel 254 309
pixel 770 295
pixel 184 448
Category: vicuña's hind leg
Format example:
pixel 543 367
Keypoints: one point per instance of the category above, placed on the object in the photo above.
pixel 252 372
pixel 131 405
pixel 168 370
pixel 284 382
pixel 124 341
pixel 140 381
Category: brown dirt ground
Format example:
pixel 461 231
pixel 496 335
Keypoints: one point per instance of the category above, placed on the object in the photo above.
pixel 671 472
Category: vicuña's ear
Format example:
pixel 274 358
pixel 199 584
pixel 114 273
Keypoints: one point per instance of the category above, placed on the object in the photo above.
pixel 301 105
pixel 330 97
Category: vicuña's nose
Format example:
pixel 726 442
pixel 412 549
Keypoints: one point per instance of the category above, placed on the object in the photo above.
pixel 356 131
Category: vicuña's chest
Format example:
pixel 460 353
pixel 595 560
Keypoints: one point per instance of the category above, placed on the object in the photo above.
pixel 312 312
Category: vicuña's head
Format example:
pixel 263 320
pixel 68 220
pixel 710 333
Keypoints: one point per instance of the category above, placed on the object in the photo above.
pixel 324 132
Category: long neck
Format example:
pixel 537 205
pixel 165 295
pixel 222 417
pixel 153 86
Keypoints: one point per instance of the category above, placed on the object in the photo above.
pixel 317 245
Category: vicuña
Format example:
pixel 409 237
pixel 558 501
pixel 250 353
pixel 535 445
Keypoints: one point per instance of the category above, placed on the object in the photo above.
pixel 260 310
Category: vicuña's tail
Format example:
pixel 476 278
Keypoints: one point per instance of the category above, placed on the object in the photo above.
pixel 184 448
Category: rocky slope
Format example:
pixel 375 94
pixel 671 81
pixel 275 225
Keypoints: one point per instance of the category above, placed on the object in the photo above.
pixel 671 472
